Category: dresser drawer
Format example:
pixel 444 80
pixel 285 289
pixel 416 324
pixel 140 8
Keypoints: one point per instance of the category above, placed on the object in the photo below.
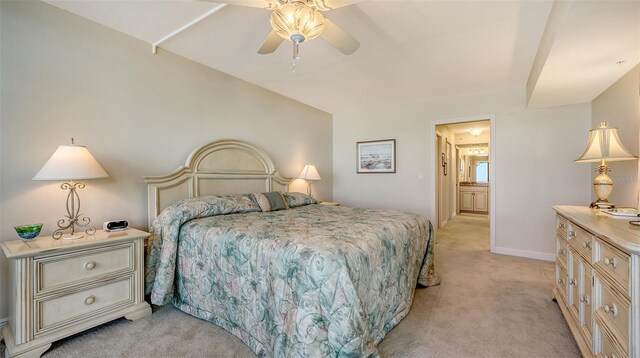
pixel 563 251
pixel 582 241
pixel 53 272
pixel 614 264
pixel 73 308
pixel 561 281
pixel 561 226
pixel 614 312
pixel 608 350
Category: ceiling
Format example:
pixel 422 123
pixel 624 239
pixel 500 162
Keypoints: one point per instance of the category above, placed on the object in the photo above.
pixel 462 132
pixel 410 50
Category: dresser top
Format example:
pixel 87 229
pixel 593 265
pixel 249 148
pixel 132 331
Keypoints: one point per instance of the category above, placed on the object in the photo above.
pixel 42 245
pixel 616 230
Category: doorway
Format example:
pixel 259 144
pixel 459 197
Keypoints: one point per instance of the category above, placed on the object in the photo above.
pixel 464 170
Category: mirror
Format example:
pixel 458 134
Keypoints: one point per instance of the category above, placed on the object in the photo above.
pixel 473 163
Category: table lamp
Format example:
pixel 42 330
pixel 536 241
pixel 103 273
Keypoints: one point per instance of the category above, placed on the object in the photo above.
pixel 310 174
pixel 604 145
pixel 70 163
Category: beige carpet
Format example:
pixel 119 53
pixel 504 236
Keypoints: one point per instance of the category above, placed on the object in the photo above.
pixel 487 306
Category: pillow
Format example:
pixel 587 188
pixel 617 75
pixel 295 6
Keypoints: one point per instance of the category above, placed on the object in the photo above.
pixel 298 199
pixel 271 201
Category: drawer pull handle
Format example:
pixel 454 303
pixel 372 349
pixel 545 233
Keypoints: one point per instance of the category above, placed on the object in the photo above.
pixel 90 265
pixel 561 281
pixel 572 234
pixel 572 281
pixel 90 300
pixel 586 245
pixel 562 226
pixel 610 261
pixel 611 309
pixel 585 299
pixel 561 252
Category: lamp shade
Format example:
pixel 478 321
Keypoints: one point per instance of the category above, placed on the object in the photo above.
pixel 309 172
pixel 71 162
pixel 604 143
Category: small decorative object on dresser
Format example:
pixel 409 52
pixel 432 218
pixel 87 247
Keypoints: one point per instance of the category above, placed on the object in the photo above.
pixel 598 281
pixel 60 289
pixel 28 232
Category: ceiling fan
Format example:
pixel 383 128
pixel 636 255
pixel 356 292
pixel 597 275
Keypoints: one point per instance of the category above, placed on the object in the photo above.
pixel 299 21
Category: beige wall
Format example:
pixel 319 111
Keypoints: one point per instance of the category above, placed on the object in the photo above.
pixel 535 149
pixel 620 106
pixel 140 114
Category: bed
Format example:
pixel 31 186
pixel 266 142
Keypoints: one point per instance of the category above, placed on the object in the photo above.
pixel 309 281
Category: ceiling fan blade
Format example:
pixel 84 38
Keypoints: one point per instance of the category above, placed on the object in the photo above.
pixel 339 39
pixel 270 44
pixel 335 4
pixel 262 4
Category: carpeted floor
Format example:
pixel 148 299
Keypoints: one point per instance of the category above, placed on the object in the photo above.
pixel 487 306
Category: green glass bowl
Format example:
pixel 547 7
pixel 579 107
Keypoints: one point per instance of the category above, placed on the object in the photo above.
pixel 28 232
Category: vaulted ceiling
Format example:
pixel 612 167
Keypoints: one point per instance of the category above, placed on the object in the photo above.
pixel 410 50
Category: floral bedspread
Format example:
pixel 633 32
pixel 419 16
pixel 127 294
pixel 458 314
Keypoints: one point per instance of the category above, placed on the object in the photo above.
pixel 313 281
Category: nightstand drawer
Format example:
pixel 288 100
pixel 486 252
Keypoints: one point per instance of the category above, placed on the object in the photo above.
pixel 56 271
pixel 70 309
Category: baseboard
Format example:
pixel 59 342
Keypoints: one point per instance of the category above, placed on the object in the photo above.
pixel 524 253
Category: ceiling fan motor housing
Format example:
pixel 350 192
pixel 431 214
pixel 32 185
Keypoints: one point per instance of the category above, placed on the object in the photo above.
pixel 297 38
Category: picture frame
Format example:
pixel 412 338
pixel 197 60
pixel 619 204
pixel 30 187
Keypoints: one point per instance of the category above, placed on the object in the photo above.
pixel 376 156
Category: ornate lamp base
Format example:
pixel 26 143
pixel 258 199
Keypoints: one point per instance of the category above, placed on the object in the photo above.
pixel 72 237
pixel 73 217
pixel 603 186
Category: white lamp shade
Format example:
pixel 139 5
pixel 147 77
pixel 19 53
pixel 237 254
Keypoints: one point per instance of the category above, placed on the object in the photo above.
pixel 604 143
pixel 71 162
pixel 309 172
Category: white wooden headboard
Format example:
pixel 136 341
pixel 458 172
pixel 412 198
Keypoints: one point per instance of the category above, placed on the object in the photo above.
pixel 218 168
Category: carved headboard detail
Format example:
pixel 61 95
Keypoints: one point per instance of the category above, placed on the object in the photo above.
pixel 218 168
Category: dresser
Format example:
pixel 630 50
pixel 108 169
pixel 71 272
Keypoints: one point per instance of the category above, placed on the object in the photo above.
pixel 62 287
pixel 598 281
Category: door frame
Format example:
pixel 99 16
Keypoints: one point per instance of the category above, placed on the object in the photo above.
pixel 432 202
pixel 439 180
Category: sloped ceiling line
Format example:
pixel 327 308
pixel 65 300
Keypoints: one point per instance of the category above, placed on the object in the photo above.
pixel 213 10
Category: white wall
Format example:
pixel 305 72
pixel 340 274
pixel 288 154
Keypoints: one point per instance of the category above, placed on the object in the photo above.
pixel 535 149
pixel 140 114
pixel 620 106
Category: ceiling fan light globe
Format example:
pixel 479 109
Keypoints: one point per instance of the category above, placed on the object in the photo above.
pixel 297 19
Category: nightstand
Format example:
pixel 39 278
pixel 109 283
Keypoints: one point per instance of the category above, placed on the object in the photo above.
pixel 62 287
pixel 329 203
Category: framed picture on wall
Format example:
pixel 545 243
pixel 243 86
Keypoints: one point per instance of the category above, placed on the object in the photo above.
pixel 376 156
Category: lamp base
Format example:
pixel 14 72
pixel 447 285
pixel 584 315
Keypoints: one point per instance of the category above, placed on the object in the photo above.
pixel 72 237
pixel 602 204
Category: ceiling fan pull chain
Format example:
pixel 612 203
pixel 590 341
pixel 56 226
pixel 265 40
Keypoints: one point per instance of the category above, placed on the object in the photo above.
pixel 296 53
